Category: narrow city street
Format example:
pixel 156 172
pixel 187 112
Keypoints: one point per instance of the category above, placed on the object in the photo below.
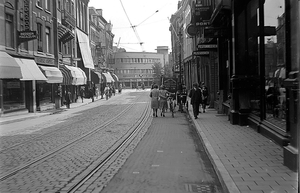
pixel 55 152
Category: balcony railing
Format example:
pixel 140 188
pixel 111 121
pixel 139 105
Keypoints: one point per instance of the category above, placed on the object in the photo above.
pixel 67 18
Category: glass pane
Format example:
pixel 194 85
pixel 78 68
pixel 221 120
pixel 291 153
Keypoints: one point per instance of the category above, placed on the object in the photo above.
pixel 275 64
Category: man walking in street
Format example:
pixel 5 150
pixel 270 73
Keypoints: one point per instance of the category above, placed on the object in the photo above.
pixel 196 99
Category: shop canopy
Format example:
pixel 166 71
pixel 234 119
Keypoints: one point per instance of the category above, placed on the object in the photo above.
pixel 72 75
pixel 30 70
pixel 115 77
pixel 9 68
pixel 96 77
pixel 85 50
pixel 53 74
pixel 108 77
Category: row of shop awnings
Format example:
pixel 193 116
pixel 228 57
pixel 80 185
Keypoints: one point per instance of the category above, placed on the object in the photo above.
pixel 104 77
pixel 27 69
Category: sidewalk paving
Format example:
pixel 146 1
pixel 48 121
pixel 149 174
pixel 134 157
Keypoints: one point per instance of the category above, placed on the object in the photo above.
pixel 245 160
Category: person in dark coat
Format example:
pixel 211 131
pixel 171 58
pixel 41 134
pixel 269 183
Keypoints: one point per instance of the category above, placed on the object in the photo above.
pixel 91 93
pixel 204 96
pixel 196 98
pixel 68 98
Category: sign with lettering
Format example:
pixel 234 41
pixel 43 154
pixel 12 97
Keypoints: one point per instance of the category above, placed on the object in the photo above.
pixel 202 13
pixel 170 84
pixel 207 46
pixel 25 36
pixel 200 53
pixel 27 15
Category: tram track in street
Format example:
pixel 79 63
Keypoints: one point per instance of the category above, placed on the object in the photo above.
pixel 113 152
pixel 58 149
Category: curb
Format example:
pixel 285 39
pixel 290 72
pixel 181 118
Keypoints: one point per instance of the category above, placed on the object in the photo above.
pixel 223 175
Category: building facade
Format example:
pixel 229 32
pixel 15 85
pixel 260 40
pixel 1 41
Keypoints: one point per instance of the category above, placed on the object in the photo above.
pixel 46 49
pixel 136 68
pixel 247 52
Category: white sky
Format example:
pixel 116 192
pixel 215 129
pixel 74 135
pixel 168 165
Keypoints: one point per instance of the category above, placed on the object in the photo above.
pixel 152 28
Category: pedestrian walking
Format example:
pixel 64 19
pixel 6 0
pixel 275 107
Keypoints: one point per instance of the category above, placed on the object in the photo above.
pixel 106 92
pixel 154 94
pixel 163 104
pixel 196 98
pixel 81 93
pixel 204 96
pixel 97 92
pixel 68 98
pixel 91 94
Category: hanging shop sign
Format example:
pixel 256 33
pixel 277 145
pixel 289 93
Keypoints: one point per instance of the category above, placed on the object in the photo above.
pixel 191 30
pixel 202 15
pixel 210 32
pixel 207 46
pixel 200 53
pixel 26 15
pixel 27 34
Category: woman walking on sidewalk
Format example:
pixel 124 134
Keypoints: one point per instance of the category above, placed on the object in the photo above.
pixel 196 99
pixel 163 104
pixel 154 94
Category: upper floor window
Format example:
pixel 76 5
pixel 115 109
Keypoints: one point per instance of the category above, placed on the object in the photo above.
pixel 48 40
pixel 72 8
pixel 39 3
pixel 47 4
pixel 9 31
pixel 40 37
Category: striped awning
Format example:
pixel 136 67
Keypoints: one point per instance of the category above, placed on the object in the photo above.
pixel 96 77
pixel 73 75
pixel 115 77
pixel 108 77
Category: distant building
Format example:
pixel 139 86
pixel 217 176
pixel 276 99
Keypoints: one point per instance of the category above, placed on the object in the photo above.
pixel 135 68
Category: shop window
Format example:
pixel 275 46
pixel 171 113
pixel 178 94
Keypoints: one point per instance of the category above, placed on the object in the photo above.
pixel 44 94
pixel 9 30
pixel 13 94
pixel 275 62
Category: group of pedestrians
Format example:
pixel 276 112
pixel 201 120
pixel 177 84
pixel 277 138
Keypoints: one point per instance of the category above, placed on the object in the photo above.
pixel 159 99
pixel 199 96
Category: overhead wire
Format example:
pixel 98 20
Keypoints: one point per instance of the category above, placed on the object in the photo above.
pixel 133 28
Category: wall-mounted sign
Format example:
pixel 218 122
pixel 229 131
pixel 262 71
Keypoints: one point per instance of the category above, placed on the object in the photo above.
pixel 215 32
pixel 26 15
pixel 25 36
pixel 207 46
pixel 200 53
pixel 202 13
pixel 202 24
pixel 191 30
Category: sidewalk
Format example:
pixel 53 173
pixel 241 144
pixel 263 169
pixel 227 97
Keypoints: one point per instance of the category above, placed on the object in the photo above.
pixel 245 160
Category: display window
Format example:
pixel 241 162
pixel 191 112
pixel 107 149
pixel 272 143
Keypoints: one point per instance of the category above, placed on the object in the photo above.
pixel 13 94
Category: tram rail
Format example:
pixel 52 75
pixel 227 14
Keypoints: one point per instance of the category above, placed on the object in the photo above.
pixel 43 157
pixel 122 144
